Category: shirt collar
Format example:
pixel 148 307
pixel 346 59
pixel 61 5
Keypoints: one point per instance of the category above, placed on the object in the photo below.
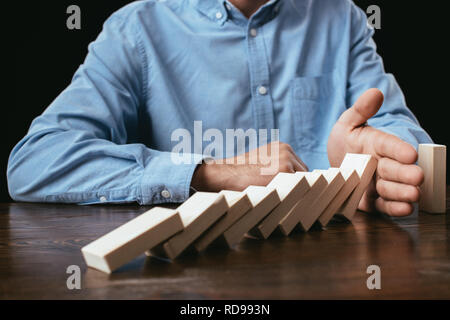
pixel 221 10
pixel 214 10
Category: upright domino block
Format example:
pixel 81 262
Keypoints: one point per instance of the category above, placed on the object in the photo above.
pixel 299 214
pixel 365 165
pixel 198 213
pixel 239 204
pixel 291 188
pixel 132 239
pixel 263 200
pixel 351 178
pixel 432 159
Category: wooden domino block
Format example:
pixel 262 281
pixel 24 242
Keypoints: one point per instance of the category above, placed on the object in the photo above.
pixel 132 239
pixel 351 178
pixel 365 165
pixel 198 213
pixel 239 204
pixel 291 188
pixel 298 214
pixel 263 200
pixel 432 159
pixel 335 181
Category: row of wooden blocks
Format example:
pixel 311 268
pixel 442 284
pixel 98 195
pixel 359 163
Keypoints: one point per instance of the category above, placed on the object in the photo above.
pixel 289 200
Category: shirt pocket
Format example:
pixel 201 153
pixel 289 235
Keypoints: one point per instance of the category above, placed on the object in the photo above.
pixel 311 100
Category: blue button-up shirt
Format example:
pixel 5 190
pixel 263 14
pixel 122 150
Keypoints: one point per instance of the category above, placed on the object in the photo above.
pixel 158 66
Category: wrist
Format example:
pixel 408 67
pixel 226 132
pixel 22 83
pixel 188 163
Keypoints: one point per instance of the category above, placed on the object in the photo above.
pixel 201 178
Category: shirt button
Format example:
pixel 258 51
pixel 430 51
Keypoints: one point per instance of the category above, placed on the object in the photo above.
pixel 228 6
pixel 166 194
pixel 219 15
pixel 253 32
pixel 262 90
pixel 103 199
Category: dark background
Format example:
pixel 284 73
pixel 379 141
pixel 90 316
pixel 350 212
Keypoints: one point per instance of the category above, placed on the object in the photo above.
pixel 46 54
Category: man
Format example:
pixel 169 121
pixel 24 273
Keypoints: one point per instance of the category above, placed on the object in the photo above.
pixel 158 66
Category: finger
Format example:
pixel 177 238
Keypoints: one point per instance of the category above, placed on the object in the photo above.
pixel 297 165
pixel 292 153
pixel 390 146
pixel 293 162
pixel 364 108
pixel 394 208
pixel 394 191
pixel 367 202
pixel 287 167
pixel 303 166
pixel 392 170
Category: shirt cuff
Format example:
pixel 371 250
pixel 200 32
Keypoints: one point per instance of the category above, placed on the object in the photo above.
pixel 167 178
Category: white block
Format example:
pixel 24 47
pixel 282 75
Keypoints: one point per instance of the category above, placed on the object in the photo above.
pixel 299 214
pixel 132 239
pixel 263 200
pixel 432 159
pixel 335 182
pixel 239 204
pixel 198 214
pixel 351 181
pixel 291 188
pixel 365 165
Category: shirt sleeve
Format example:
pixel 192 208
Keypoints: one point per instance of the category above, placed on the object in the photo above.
pixel 79 149
pixel 366 71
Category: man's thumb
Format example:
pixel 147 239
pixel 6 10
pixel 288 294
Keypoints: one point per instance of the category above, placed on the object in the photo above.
pixel 364 108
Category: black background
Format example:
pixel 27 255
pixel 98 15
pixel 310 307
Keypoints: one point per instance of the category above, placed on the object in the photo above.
pixel 46 54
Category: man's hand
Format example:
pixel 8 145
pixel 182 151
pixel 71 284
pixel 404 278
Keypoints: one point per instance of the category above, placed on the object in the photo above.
pixel 257 167
pixel 397 181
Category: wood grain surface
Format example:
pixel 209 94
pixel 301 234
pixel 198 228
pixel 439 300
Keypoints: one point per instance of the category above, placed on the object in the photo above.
pixel 39 241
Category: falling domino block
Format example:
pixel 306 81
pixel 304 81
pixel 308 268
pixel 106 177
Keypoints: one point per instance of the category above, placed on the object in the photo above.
pixel 239 204
pixel 291 188
pixel 335 182
pixel 132 239
pixel 432 159
pixel 351 178
pixel 365 165
pixel 198 213
pixel 299 213
pixel 263 200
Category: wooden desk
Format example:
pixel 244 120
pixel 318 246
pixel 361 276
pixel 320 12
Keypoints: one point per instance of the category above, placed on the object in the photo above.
pixel 39 241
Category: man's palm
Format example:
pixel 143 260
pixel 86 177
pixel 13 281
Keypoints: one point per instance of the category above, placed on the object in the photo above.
pixel 396 184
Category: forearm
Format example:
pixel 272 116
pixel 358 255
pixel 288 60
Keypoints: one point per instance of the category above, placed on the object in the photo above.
pixel 76 167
